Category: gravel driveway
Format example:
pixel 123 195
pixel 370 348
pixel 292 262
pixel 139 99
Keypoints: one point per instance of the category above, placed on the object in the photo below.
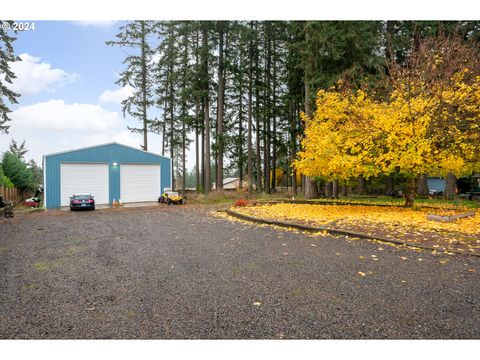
pixel 178 272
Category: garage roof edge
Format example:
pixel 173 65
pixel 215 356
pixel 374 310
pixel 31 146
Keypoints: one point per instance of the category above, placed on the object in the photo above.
pixel 110 143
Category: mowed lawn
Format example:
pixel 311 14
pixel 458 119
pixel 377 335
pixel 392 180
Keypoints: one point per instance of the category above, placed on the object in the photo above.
pixel 183 272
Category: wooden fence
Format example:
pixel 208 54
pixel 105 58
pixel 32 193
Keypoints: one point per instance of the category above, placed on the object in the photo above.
pixel 11 194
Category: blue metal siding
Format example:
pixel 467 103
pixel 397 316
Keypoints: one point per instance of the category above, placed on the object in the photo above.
pixel 436 184
pixel 109 153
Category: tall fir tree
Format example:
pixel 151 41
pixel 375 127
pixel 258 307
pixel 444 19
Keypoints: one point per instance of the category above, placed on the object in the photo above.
pixel 135 36
pixel 7 56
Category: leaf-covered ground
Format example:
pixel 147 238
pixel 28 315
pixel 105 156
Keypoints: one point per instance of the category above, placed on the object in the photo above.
pixel 409 225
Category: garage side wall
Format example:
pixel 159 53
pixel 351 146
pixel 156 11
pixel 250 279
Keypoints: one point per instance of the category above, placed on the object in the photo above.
pixel 110 153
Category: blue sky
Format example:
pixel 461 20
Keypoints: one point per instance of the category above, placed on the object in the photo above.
pixel 69 96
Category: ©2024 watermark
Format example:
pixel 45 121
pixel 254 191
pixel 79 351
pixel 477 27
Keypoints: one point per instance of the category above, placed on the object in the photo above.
pixel 18 25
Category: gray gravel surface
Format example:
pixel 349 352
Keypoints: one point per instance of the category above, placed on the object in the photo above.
pixel 179 272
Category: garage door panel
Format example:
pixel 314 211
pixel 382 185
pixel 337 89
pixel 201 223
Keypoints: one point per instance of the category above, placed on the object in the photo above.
pixel 84 178
pixel 139 182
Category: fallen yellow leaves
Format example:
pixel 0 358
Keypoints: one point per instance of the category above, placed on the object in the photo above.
pixel 389 216
pixel 360 273
pixel 385 222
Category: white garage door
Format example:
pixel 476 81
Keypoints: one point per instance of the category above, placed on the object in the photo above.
pixel 139 182
pixel 84 179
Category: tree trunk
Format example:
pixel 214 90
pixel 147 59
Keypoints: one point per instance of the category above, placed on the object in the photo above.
pixel 184 113
pixel 197 121
pixel 164 128
pixel 335 189
pixel 422 188
pixel 183 158
pixel 293 146
pixel 344 190
pixel 172 129
pixel 362 189
pixel 202 145
pixel 240 126
pixel 410 196
pixel 144 88
pixel 206 112
pixel 274 117
pixel 389 185
pixel 197 160
pixel 310 190
pixel 257 123
pixel 267 130
pixel 250 105
pixel 220 111
pixel 450 187
pixel 328 189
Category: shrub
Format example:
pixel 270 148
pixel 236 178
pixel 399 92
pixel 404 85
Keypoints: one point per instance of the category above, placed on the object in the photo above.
pixel 240 202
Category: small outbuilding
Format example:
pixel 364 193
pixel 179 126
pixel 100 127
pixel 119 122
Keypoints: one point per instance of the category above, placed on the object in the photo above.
pixel 109 171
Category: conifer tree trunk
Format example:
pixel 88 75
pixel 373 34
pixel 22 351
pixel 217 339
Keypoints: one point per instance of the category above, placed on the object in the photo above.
pixel 184 111
pixel 197 162
pixel 202 157
pixel 240 135
pixel 183 158
pixel 267 104
pixel 240 120
pixel 164 129
pixel 144 87
pixel 197 121
pixel 310 189
pixel 257 123
pixel 250 106
pixel 274 117
pixel 172 129
pixel 206 112
pixel 220 112
pixel 293 145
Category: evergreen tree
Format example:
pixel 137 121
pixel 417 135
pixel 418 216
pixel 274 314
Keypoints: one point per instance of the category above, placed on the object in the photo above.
pixel 7 56
pixel 135 36
pixel 18 150
pixel 18 172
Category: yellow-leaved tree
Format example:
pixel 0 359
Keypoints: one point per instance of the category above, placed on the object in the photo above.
pixel 427 123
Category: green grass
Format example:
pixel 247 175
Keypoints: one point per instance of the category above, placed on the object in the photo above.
pixel 228 198
pixel 420 202
pixel 42 266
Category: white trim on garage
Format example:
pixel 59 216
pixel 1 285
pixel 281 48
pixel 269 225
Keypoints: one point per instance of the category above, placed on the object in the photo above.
pixel 110 143
pixel 44 182
pixel 139 182
pixel 84 178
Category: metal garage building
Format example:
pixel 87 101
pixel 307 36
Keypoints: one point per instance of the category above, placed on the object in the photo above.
pixel 108 171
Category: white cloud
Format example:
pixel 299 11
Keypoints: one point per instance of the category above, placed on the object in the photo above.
pixel 54 126
pixel 56 115
pixel 95 23
pixel 34 77
pixel 116 96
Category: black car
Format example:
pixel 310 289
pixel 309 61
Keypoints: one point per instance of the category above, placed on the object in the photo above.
pixel 82 201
